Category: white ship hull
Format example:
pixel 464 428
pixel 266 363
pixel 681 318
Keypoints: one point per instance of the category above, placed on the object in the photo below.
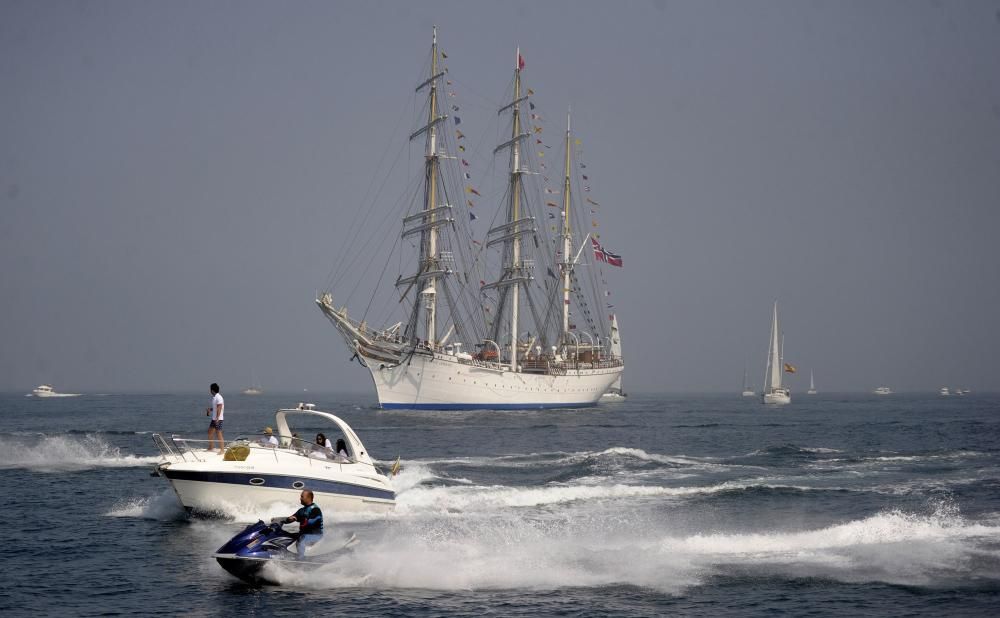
pixel 447 383
pixel 778 397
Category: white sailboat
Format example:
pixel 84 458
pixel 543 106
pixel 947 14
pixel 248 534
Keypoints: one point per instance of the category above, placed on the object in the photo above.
pixel 509 343
pixel 615 391
pixel 774 392
pixel 747 389
pixel 812 384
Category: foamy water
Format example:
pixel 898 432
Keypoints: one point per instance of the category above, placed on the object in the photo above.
pixel 61 453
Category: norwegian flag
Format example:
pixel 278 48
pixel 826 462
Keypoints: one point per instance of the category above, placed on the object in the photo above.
pixel 603 255
pixel 599 254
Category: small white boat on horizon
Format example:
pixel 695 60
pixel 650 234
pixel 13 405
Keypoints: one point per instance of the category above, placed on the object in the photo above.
pixel 812 384
pixel 615 391
pixel 945 392
pixel 254 473
pixel 747 389
pixel 46 390
pixel 883 390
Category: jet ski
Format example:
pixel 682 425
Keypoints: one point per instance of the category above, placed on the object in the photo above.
pixel 248 553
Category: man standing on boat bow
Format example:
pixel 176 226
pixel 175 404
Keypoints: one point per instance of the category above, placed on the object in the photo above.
pixel 310 520
pixel 216 411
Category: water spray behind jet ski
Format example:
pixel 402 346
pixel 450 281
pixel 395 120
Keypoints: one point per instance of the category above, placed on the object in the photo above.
pixel 246 554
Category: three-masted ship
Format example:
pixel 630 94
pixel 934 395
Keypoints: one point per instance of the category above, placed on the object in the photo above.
pixel 470 340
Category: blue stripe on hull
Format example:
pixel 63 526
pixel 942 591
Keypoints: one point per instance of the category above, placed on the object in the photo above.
pixel 483 406
pixel 277 481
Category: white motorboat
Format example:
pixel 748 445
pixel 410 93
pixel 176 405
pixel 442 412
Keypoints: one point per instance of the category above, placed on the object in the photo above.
pixel 253 390
pixel 251 473
pixel 883 390
pixel 946 392
pixel 774 392
pixel 812 384
pixel 46 390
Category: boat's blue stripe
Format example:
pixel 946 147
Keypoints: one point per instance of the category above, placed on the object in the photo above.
pixel 483 406
pixel 278 481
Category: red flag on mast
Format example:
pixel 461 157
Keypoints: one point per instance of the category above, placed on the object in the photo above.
pixel 520 62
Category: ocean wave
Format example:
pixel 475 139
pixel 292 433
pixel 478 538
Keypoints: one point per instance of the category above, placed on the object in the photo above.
pixel 497 498
pixel 556 458
pixel 43 453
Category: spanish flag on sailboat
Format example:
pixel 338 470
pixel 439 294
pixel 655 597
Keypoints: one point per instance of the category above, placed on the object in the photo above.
pixel 789 368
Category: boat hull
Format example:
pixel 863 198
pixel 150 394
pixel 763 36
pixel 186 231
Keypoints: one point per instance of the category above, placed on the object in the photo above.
pixel 214 492
pixel 442 382
pixel 777 397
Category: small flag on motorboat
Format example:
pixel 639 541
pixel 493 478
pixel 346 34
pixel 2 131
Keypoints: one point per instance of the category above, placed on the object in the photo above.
pixel 396 467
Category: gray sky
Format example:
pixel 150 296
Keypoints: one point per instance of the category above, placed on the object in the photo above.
pixel 176 179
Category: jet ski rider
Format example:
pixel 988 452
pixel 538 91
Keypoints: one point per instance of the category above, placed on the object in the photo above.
pixel 310 520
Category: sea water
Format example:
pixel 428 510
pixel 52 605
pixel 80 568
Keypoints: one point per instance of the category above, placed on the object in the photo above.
pixel 698 505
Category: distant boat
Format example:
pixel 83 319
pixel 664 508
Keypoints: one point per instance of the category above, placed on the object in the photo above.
pixel 255 389
pixel 774 392
pixel 45 390
pixel 883 390
pixel 747 389
pixel 615 392
pixel 945 392
pixel 812 384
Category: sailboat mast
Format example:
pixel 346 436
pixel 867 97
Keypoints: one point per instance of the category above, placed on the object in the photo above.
pixel 567 264
pixel 430 258
pixel 515 208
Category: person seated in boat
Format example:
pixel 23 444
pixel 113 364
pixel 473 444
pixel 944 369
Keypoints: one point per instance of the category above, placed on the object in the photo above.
pixel 341 450
pixel 323 448
pixel 310 519
pixel 268 439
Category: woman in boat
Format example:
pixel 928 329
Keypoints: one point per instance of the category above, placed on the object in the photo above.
pixel 341 450
pixel 323 448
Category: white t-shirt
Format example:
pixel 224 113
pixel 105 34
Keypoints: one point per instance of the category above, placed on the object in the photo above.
pixel 217 414
pixel 273 440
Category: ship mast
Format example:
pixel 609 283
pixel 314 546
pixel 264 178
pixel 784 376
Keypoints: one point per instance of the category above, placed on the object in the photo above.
pixel 430 258
pixel 567 264
pixel 432 216
pixel 515 207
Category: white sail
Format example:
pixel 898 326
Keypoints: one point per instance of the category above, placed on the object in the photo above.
pixel 774 357
pixel 615 390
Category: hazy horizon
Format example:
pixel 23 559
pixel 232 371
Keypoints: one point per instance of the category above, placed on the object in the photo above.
pixel 176 181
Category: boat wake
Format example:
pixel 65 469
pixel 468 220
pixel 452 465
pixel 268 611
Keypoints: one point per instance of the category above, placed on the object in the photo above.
pixel 62 453
pixel 512 551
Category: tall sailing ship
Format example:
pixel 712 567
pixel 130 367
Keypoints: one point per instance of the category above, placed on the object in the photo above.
pixel 774 392
pixel 487 323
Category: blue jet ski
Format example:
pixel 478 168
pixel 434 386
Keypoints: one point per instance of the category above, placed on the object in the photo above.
pixel 246 554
